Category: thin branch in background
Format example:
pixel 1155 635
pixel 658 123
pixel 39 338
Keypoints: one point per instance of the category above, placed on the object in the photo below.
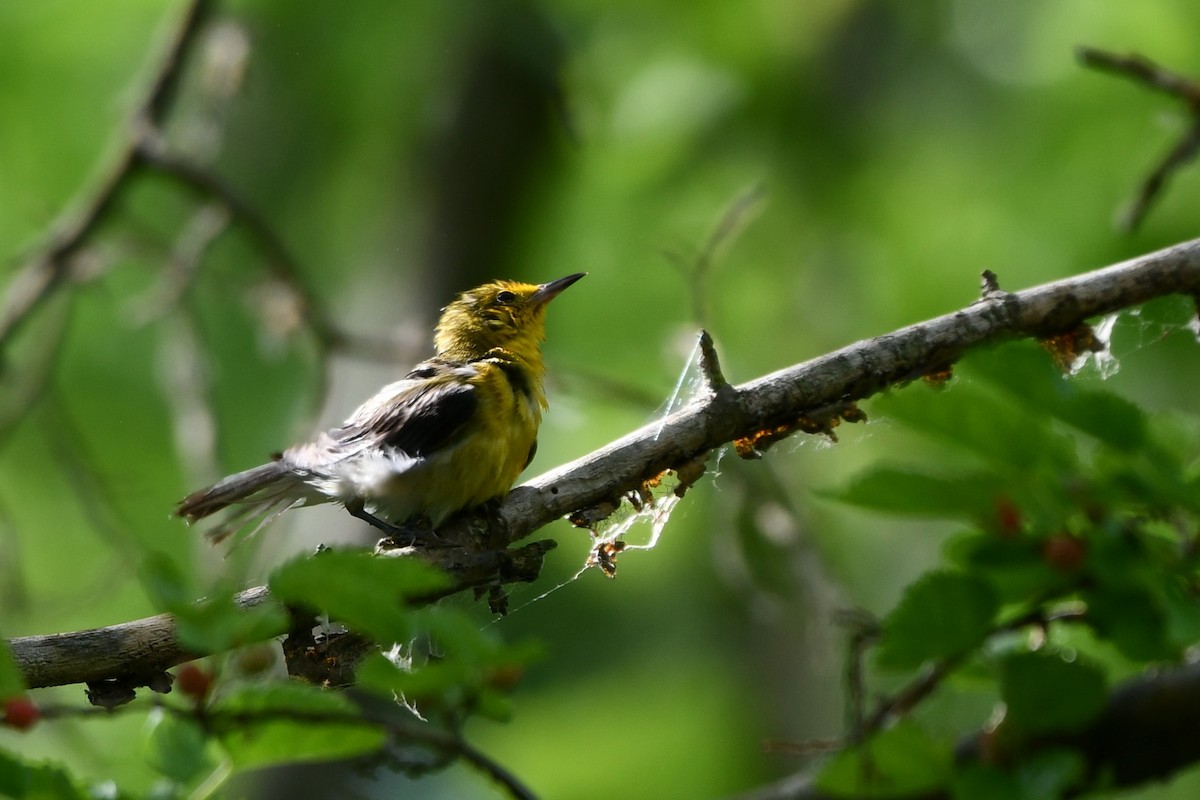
pixel 25 388
pixel 204 227
pixel 82 473
pixel 865 633
pixel 47 270
pixel 1147 73
pixel 56 261
pixel 183 376
pixel 698 269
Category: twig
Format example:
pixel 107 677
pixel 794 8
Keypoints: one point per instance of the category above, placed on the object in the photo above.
pixel 698 270
pixel 1144 71
pixel 48 269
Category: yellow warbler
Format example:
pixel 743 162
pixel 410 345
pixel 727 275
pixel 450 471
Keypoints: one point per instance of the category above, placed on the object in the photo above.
pixel 452 434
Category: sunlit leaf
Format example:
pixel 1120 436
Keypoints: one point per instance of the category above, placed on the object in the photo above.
pixel 942 614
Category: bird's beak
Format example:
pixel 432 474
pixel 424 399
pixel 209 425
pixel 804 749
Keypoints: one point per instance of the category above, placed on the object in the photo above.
pixel 548 291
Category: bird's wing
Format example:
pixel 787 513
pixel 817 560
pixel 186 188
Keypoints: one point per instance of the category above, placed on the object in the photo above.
pixel 418 415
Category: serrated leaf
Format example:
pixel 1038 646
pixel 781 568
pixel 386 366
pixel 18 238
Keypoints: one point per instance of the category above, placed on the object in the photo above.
pixel 365 593
pixel 176 747
pixel 907 491
pixel 901 761
pixel 1045 693
pixel 942 614
pixel 281 723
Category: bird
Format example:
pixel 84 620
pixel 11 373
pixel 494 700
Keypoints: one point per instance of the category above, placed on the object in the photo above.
pixel 453 434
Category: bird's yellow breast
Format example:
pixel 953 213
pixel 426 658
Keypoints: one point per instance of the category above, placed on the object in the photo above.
pixel 483 462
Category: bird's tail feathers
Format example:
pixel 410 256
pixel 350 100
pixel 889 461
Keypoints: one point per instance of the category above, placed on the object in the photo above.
pixel 267 490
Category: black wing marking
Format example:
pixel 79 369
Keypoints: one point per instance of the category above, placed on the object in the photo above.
pixel 418 421
pixel 532 453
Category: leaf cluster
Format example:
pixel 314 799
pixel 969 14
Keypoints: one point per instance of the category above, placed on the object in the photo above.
pixel 1076 566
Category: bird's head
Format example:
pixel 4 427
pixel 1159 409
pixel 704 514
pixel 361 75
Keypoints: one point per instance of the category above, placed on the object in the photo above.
pixel 505 314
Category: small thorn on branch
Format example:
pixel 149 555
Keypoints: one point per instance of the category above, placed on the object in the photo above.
pixel 710 364
pixel 989 285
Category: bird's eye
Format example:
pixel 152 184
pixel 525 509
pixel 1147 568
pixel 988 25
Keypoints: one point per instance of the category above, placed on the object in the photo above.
pixel 504 298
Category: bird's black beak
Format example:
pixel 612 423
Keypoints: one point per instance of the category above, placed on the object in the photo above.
pixel 548 291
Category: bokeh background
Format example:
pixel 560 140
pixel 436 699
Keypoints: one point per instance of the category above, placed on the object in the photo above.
pixel 793 176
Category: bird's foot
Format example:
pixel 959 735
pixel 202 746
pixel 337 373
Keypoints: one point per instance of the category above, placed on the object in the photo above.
pixel 412 532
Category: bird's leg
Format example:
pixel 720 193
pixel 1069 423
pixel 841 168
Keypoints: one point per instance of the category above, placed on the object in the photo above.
pixel 406 535
pixel 496 526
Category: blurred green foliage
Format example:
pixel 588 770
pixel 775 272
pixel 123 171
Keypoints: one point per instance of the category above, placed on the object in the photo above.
pixel 406 151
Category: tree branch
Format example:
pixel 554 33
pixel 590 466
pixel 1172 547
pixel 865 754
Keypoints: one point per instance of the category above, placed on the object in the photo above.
pixel 794 396
pixel 134 654
pixel 784 401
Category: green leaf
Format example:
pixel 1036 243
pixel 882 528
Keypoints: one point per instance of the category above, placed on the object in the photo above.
pixel 362 591
pixel 177 747
pixel 983 782
pixel 1029 376
pixel 906 491
pixel 899 762
pixel 1132 620
pixel 976 421
pixel 1107 417
pixel 215 623
pixel 168 585
pixel 25 780
pixel 1015 568
pixel 285 722
pixel 1045 693
pixel 942 614
pixel 11 680
pixel 1049 774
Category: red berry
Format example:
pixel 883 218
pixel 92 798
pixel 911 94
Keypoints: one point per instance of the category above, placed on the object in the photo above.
pixel 193 681
pixel 1064 552
pixel 21 713
pixel 1008 516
